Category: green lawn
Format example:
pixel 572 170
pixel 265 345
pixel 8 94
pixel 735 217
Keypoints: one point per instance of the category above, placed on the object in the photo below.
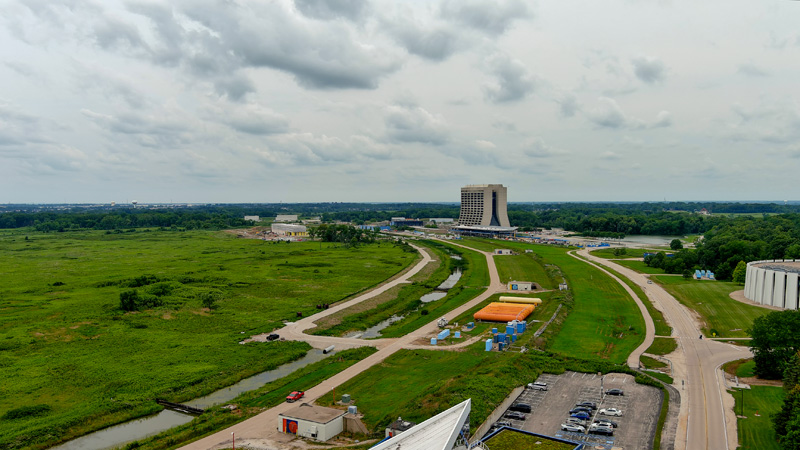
pixel 662 346
pixel 522 267
pixel 69 346
pixel 722 315
pixel 630 253
pixel 756 432
pixel 640 266
pixel 514 440
pixel 652 363
pixel 604 323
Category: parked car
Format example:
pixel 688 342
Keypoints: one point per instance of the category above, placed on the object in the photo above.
pixel 606 423
pixel 615 392
pixel 521 407
pixel 573 427
pixel 579 409
pixel 597 429
pixel 649 281
pixel 501 423
pixel 272 337
pixel 592 405
pixel 295 396
pixel 611 412
pixel 515 415
pixel 581 415
pixel 576 421
pixel 538 386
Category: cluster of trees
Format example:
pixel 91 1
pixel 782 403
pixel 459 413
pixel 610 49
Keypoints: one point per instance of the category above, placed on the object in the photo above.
pixel 347 235
pixel 742 239
pixel 776 351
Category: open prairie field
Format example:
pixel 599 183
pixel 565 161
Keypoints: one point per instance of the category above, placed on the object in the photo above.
pixel 604 322
pixel 69 346
pixel 711 300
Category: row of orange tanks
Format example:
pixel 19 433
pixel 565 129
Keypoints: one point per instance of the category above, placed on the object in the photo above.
pixel 508 309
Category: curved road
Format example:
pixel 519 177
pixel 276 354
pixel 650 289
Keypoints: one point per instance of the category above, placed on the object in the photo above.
pixel 263 428
pixel 706 419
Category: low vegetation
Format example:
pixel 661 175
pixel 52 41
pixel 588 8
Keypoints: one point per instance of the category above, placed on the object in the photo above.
pixel 662 346
pixel 721 315
pixel 512 440
pixel 757 405
pixel 70 346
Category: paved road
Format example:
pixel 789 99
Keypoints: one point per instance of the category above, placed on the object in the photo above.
pixel 263 428
pixel 707 420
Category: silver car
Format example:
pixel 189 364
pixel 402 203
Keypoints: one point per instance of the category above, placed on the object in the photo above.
pixel 573 428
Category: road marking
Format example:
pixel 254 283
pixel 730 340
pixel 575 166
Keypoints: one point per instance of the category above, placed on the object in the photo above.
pixel 721 405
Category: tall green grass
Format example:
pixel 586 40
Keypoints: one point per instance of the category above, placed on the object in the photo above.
pixel 67 344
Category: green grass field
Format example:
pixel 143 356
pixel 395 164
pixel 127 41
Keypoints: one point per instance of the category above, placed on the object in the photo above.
pixel 756 432
pixel 605 322
pixel 68 345
pixel 662 346
pixel 630 253
pixel 522 267
pixel 640 266
pixel 652 363
pixel 722 315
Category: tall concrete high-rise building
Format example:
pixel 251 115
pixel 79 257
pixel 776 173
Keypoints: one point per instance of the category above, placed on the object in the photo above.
pixel 484 205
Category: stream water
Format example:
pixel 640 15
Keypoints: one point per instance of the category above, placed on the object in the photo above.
pixel 133 430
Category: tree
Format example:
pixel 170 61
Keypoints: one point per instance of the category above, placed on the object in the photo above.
pixel 209 299
pixel 787 420
pixel 676 244
pixel 775 341
pixel 740 272
pixel 129 300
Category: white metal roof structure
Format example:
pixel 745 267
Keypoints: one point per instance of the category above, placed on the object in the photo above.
pixel 437 433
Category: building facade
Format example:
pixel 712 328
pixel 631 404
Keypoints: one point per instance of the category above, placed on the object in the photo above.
pixel 289 229
pixel 309 421
pixel 774 283
pixel 484 205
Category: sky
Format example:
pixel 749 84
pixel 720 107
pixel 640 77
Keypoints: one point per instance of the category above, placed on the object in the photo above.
pixel 377 101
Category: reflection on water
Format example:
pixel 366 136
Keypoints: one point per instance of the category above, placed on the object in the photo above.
pixel 450 281
pixel 375 331
pixel 133 430
pixel 649 240
pixel 432 296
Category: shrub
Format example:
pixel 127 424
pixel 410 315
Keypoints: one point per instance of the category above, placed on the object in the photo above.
pixel 27 411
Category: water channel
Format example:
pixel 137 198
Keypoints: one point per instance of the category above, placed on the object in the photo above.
pixel 133 430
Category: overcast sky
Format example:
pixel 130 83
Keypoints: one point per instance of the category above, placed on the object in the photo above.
pixel 346 100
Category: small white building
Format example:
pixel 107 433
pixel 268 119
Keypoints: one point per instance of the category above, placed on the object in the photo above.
pixel 253 218
pixel 441 220
pixel 520 285
pixel 286 218
pixel 503 251
pixel 310 421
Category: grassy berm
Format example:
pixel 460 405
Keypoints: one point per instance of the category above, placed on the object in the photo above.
pixel 72 360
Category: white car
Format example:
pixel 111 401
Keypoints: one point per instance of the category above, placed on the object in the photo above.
pixel 538 386
pixel 610 412
pixel 572 427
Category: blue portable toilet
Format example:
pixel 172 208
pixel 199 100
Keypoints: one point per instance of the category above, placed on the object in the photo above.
pixel 520 327
pixel 513 338
pixel 494 330
pixel 470 325
pixel 501 346
pixel 494 339
pixel 508 339
pixel 433 341
pixel 457 334
pixel 488 345
pixel 501 337
pixel 510 329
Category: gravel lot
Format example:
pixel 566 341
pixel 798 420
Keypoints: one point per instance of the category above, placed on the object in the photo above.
pixel 640 408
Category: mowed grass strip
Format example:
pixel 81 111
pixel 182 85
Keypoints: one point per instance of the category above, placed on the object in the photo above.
pixel 640 267
pixel 711 300
pixel 756 432
pixel 630 253
pixel 662 346
pixel 605 322
pixel 69 346
pixel 522 267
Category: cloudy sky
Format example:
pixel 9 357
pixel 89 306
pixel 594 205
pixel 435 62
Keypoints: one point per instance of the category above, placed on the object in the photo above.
pixel 347 100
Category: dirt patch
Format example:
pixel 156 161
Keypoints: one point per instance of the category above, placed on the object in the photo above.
pixel 167 316
pixel 202 312
pixel 249 233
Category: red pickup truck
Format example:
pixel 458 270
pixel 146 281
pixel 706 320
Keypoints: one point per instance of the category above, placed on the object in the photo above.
pixel 294 396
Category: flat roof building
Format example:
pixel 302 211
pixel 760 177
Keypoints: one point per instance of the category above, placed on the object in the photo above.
pixel 286 218
pixel 311 421
pixel 289 229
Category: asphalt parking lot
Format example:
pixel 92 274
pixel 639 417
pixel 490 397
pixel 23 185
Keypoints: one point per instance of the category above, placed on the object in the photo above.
pixel 640 408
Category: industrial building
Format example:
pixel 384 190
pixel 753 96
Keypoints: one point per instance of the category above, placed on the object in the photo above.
pixel 310 421
pixel 289 229
pixel 403 222
pixel 773 283
pixel 253 218
pixel 484 212
pixel 286 218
